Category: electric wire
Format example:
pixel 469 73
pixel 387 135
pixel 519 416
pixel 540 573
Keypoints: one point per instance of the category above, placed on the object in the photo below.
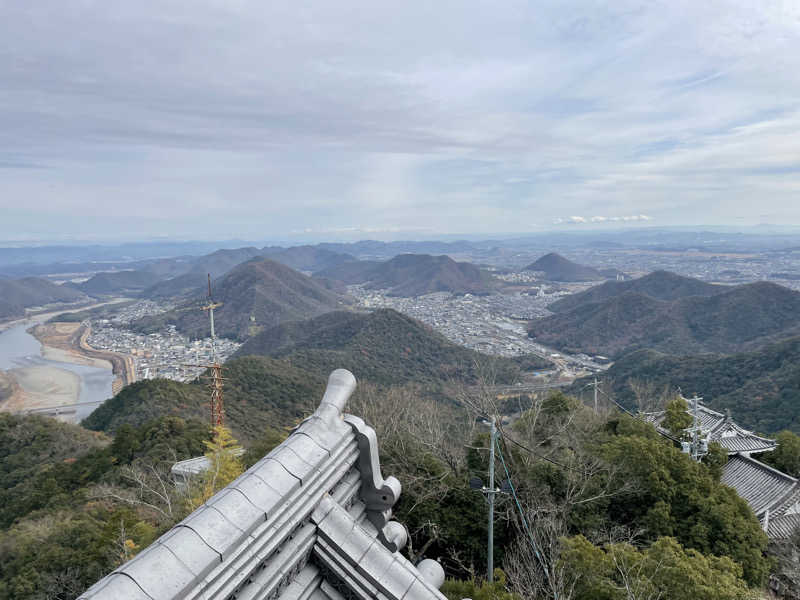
pixel 524 519
pixel 537 455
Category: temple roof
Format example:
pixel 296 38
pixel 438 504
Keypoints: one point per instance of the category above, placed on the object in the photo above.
pixel 721 429
pixel 781 528
pixel 763 487
pixel 311 520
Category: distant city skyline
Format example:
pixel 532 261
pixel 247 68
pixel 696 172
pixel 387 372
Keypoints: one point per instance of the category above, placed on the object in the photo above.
pixel 350 120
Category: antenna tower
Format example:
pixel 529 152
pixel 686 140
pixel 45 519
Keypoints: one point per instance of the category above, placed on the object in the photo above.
pixel 217 404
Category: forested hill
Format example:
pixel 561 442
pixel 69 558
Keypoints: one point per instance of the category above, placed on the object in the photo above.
pixel 661 285
pixel 761 389
pixel 18 294
pixel 118 282
pixel 193 274
pixel 741 318
pixel 383 347
pixel 306 258
pixel 558 268
pixel 414 275
pixel 260 393
pixel 256 295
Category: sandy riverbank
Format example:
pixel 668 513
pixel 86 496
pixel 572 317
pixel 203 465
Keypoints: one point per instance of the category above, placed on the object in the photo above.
pixel 66 342
pixel 40 387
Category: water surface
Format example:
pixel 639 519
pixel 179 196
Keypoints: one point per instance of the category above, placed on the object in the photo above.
pixel 19 349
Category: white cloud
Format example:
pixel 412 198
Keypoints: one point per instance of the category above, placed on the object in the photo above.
pixel 574 220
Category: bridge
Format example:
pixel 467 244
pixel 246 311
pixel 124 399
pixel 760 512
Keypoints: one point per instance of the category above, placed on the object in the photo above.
pixel 60 409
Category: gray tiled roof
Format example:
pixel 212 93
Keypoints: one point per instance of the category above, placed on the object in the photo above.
pixel 308 521
pixel 782 527
pixel 719 428
pixel 736 439
pixel 763 487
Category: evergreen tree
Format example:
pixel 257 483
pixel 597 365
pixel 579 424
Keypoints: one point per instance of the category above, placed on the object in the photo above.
pixel 224 455
pixel 677 419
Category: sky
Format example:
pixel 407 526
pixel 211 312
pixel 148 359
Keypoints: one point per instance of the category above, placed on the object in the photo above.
pixel 232 118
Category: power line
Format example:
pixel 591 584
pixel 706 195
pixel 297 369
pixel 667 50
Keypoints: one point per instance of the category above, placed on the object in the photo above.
pixel 524 519
pixel 537 455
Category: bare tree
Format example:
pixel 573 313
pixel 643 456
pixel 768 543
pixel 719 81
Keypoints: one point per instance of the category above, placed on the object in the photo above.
pixel 147 486
pixel 787 573
pixel 533 564
pixel 411 427
pixel 635 577
pixel 649 395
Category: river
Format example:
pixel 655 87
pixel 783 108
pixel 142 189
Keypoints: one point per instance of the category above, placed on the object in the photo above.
pixel 20 350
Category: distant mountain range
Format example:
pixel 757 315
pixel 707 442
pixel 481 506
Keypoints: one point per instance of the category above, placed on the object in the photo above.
pixel 194 273
pixel 18 294
pixel 186 275
pixel 557 268
pixel 256 295
pixel 307 258
pixel 414 275
pixel 761 388
pixel 627 318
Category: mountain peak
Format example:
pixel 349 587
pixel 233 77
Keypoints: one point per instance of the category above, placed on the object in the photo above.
pixel 559 268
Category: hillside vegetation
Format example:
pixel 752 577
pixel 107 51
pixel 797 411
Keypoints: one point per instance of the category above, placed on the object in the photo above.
pixel 18 294
pixel 259 393
pixel 762 388
pixel 256 295
pixel 661 285
pixel 383 347
pixel 687 325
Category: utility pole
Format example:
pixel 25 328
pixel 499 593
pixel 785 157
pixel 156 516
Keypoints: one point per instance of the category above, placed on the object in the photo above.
pixel 594 384
pixel 695 449
pixel 491 493
pixel 694 427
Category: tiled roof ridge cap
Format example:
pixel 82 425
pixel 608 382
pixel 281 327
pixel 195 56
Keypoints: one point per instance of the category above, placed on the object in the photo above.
pixel 750 433
pixel 765 467
pixel 701 406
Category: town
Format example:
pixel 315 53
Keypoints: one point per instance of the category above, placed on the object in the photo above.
pixel 166 354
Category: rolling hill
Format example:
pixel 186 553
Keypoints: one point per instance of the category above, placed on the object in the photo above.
pixel 18 294
pixel 661 285
pixel 187 277
pixel 350 272
pixel 414 275
pixel 119 282
pixel 761 389
pixel 557 268
pixel 306 258
pixel 688 325
pixel 384 347
pixel 193 278
pixel 256 295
